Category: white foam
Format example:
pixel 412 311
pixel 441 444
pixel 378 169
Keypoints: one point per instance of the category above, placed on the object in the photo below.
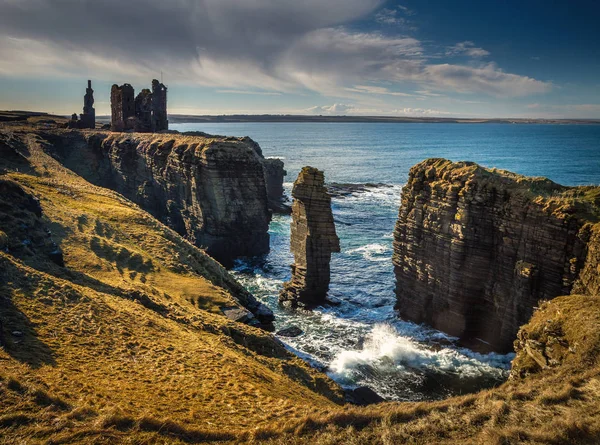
pixel 384 348
pixel 385 195
pixel 373 252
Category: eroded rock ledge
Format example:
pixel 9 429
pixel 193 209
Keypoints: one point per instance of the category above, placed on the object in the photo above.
pixel 476 249
pixel 313 240
pixel 210 189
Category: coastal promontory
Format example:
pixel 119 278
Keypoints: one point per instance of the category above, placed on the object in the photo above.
pixel 476 249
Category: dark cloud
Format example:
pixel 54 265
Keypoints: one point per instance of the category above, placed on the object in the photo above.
pixel 274 45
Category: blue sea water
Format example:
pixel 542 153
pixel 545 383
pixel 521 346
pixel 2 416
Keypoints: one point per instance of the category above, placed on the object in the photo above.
pixel 362 341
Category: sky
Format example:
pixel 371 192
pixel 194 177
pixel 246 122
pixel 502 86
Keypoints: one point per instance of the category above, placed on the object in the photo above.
pixel 526 58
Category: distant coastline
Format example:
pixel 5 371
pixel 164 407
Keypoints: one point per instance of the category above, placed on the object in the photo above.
pixel 278 118
pixel 237 118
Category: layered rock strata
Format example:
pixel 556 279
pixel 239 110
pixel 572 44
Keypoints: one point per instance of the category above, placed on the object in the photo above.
pixel 475 249
pixel 211 190
pixel 274 175
pixel 313 240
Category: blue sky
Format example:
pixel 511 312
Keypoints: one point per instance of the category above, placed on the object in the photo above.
pixel 340 57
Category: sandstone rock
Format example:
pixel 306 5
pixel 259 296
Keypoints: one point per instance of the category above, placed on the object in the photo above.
pixel 210 190
pixel 313 240
pixel 238 314
pixel 363 395
pixel 588 282
pixel 274 174
pixel 476 249
pixel 292 331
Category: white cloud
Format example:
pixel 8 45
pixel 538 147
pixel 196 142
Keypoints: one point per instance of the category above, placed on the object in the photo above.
pixel 257 93
pixel 488 79
pixel 466 48
pixel 250 47
pixel 370 89
pixel 395 17
pixel 363 110
pixel 334 110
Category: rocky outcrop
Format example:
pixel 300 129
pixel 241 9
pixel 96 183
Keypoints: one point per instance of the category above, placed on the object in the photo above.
pixel 476 249
pixel 211 190
pixel 313 240
pixel 561 333
pixel 274 174
pixel 589 277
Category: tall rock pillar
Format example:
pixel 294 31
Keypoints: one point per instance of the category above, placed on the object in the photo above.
pixel 313 240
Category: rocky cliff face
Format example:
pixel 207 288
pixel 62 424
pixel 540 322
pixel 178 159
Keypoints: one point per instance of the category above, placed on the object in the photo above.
pixel 313 240
pixel 476 249
pixel 274 174
pixel 589 277
pixel 209 189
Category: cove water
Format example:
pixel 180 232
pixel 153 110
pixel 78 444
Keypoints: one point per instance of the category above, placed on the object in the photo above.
pixel 362 341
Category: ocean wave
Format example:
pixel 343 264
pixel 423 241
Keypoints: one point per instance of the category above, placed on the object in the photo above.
pixel 387 194
pixel 373 252
pixel 384 348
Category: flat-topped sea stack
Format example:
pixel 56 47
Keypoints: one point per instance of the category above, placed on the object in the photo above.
pixel 313 240
pixel 476 249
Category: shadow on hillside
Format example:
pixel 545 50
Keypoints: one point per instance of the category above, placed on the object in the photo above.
pixel 19 337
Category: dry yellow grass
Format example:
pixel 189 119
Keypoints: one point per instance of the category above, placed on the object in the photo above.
pixel 129 333
pixel 127 345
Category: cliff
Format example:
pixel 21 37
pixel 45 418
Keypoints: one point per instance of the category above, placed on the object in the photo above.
pixel 476 249
pixel 312 241
pixel 210 189
pixel 274 175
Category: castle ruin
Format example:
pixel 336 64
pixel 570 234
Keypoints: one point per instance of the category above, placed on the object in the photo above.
pixel 146 113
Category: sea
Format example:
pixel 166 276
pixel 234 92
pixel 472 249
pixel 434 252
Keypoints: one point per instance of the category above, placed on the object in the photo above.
pixel 362 341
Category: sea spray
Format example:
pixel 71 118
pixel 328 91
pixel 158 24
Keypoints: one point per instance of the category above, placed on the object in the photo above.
pixel 361 341
pixel 385 348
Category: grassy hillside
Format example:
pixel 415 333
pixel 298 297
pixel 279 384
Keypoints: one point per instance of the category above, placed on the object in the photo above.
pixel 131 327
pixel 127 342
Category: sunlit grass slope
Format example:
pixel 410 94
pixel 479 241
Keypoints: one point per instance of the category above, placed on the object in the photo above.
pixel 127 338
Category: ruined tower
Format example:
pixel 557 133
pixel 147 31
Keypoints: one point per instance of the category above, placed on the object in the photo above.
pixel 146 113
pixel 88 117
pixel 159 106
pixel 122 107
pixel 143 111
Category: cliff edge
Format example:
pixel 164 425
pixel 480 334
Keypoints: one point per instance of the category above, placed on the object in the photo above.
pixel 476 249
pixel 210 189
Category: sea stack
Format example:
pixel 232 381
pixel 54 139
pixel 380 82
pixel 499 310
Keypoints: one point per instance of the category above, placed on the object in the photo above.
pixel 313 240
pixel 476 249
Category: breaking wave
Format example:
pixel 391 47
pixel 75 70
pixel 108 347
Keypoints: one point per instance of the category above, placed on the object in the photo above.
pixel 373 252
pixel 383 347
